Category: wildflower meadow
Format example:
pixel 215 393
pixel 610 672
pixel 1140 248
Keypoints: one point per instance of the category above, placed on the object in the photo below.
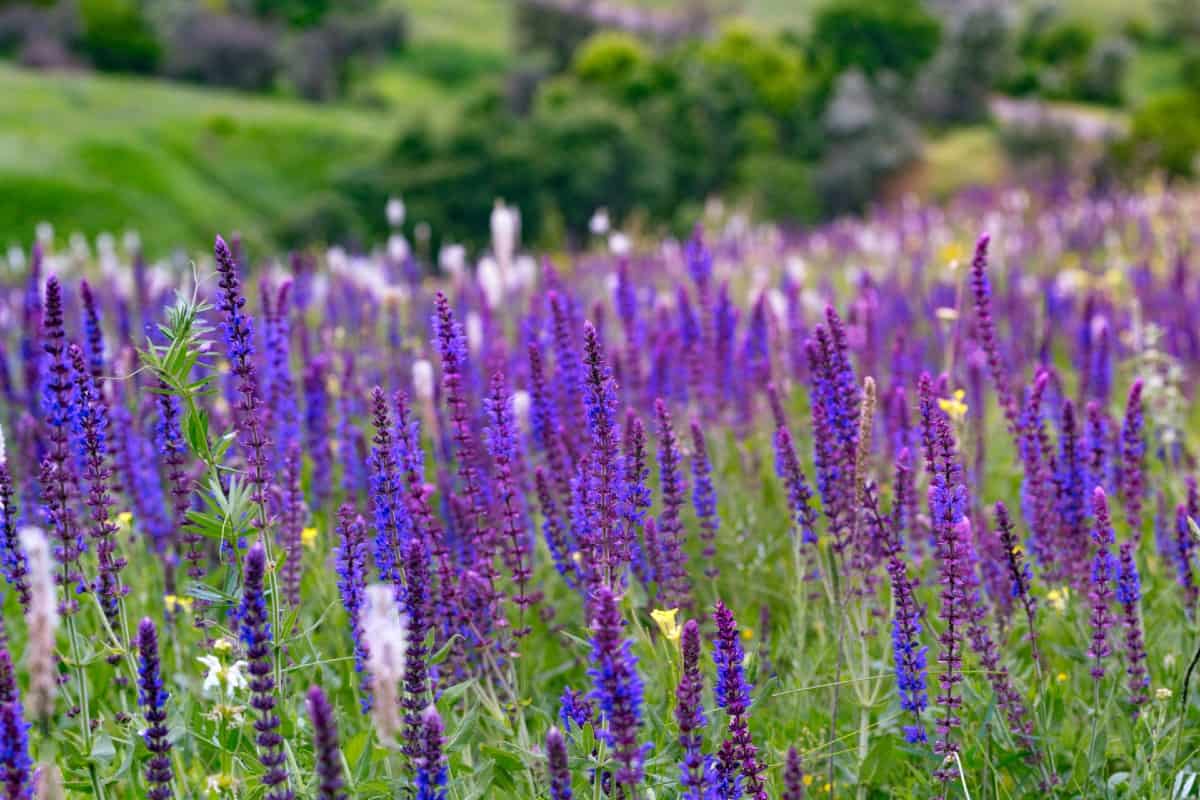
pixel 898 507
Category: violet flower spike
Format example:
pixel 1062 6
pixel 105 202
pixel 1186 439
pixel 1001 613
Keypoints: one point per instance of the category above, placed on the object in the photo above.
pixel 1129 593
pixel 431 774
pixel 16 767
pixel 325 746
pixel 350 560
pixel 689 715
pixel 1133 453
pixel 557 768
pixel 737 757
pixel 152 697
pixel 1100 591
pixel 256 634
pixel 616 687
pixel 793 776
pixel 704 499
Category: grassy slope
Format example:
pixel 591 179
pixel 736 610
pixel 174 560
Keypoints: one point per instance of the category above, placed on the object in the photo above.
pixel 178 162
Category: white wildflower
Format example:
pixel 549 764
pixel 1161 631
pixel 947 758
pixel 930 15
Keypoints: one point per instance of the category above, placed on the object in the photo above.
pixel 385 632
pixel 422 379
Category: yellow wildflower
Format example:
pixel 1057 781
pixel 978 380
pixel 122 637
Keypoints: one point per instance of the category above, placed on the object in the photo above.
pixel 1058 598
pixel 1062 677
pixel 747 633
pixel 808 779
pixel 177 604
pixel 954 407
pixel 308 537
pixel 668 623
pixel 952 253
pixel 125 519
pixel 1162 693
pixel 946 314
pixel 222 645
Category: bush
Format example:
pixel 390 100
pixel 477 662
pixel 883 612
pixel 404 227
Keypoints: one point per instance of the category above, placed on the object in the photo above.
pixel 116 37
pixel 1165 134
pixel 224 50
pixel 321 61
pixel 975 56
pixel 875 36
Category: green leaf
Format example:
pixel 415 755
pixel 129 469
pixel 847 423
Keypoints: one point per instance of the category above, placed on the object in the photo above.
pixel 103 748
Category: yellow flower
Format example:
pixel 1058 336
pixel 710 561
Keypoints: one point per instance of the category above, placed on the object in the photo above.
pixel 952 253
pixel 946 314
pixel 177 604
pixel 125 519
pixel 808 779
pixel 1058 598
pixel 1162 693
pixel 668 623
pixel 747 633
pixel 1062 676
pixel 222 645
pixel 954 407
pixel 308 537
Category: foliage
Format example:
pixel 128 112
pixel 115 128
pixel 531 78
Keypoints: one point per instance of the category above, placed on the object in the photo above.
pixel 117 37
pixel 1165 134
pixel 874 36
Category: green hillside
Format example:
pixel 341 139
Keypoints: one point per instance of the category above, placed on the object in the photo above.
pixel 109 153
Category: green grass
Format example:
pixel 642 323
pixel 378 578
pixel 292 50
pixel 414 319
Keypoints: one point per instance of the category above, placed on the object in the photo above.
pixel 178 163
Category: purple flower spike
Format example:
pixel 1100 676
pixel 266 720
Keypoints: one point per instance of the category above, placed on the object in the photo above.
pixel 249 411
pixel 616 687
pixel 981 291
pixel 153 699
pixel 12 558
pixel 325 745
pixel 16 767
pixel 793 776
pixel 673 582
pixel 689 714
pixel 1100 591
pixel 704 499
pixel 737 759
pixel 1133 452
pixel 502 445
pixel 908 654
pixel 1019 574
pixel 350 558
pixel 255 631
pixel 1129 595
pixel 431 762
pixel 556 765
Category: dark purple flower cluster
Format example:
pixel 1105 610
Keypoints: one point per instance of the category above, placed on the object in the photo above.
pixel 254 628
pixel 1100 589
pixel 737 758
pixel 689 715
pixel 704 499
pixel 616 687
pixel 430 760
pixel 325 745
pixel 350 556
pixel 152 697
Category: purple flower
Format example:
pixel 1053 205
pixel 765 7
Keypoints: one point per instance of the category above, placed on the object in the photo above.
pixel 1133 452
pixel 636 499
pixel 575 709
pixel 152 697
pixel 704 499
pixel 616 687
pixel 1129 595
pixel 672 578
pixel 1100 590
pixel 176 458
pixel 793 776
pixel 689 715
pixel 325 746
pixel 981 292
pixel 502 444
pixel 1019 573
pixel 1070 476
pixel 350 558
pixel 316 426
pixel 738 756
pixel 292 514
pixel 281 390
pixel 12 557
pixel 16 767
pixel 1184 545
pixel 430 762
pixel 567 367
pixel 416 668
pixel 557 767
pixel 237 327
pixel 254 629
pixel 787 467
pixel 57 479
pixel 908 654
pixel 392 525
pixel 698 258
pixel 553 533
pixel 607 554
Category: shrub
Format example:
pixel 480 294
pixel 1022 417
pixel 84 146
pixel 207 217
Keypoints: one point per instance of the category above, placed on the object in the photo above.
pixel 321 61
pixel 1165 134
pixel 327 218
pixel 116 37
pixel 224 50
pixel 875 35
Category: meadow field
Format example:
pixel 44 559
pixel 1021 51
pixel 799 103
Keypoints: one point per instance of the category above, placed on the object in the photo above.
pixel 902 506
